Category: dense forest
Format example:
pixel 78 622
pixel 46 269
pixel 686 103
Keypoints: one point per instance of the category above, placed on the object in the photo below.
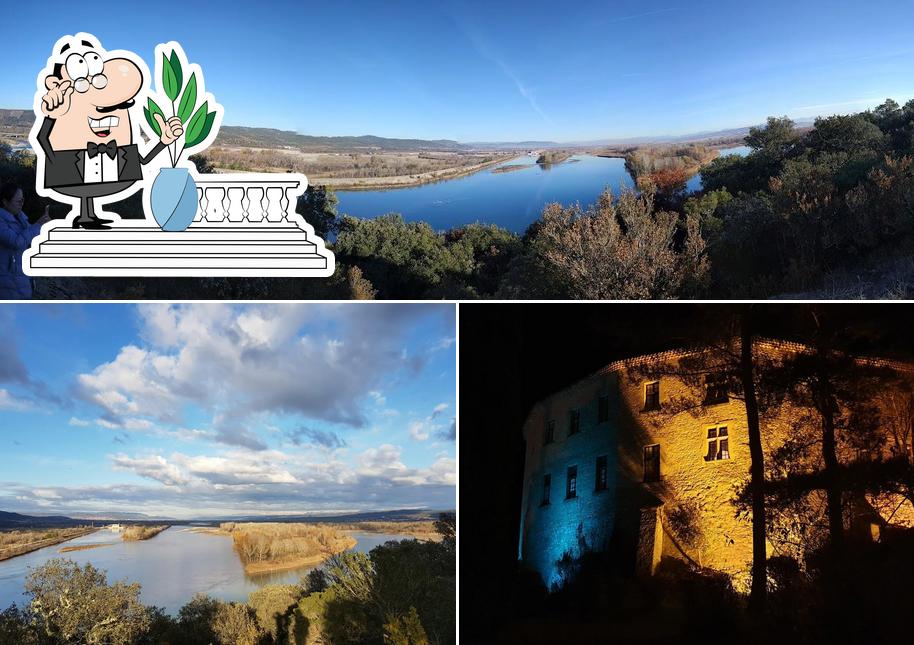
pixel 826 212
pixel 401 593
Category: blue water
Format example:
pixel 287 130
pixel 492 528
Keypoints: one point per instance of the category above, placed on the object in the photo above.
pixel 512 200
pixel 695 182
pixel 171 567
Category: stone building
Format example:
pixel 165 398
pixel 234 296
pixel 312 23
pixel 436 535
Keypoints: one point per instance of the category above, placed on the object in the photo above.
pixel 612 462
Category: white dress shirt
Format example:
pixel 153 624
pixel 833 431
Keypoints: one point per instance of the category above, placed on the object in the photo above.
pixel 100 168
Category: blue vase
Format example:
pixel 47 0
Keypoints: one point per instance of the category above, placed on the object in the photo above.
pixel 173 199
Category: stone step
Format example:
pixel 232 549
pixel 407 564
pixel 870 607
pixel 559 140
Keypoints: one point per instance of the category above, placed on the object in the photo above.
pixel 215 247
pixel 260 261
pixel 194 233
pixel 134 248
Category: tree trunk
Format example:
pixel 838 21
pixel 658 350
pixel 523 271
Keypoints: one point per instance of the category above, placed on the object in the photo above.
pixel 830 458
pixel 824 399
pixel 759 592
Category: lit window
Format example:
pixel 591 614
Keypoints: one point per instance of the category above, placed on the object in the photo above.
pixel 571 485
pixel 652 463
pixel 574 423
pixel 601 474
pixel 550 432
pixel 547 485
pixel 603 409
pixel 717 389
pixel 718 444
pixel 652 396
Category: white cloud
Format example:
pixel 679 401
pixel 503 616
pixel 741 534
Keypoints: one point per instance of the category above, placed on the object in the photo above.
pixel 237 362
pixel 155 467
pixel 419 430
pixel 234 468
pixel 9 401
pixel 79 423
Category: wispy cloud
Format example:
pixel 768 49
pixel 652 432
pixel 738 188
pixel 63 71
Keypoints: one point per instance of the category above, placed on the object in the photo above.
pixel 9 401
pixel 830 108
pixel 485 52
pixel 635 16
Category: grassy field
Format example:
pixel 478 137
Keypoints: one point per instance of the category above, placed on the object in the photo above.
pixel 419 530
pixel 273 546
pixel 82 547
pixel 134 533
pixel 355 170
pixel 19 542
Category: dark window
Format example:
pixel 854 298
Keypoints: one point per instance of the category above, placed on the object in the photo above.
pixel 550 432
pixel 571 485
pixel 603 409
pixel 652 396
pixel 574 423
pixel 718 444
pixel 547 485
pixel 601 474
pixel 652 463
pixel 716 389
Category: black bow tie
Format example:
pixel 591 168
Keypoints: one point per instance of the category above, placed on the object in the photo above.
pixel 109 149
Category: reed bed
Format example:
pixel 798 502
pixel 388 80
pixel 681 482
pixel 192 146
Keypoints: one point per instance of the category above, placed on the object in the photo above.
pixel 19 542
pixel 134 533
pixel 263 545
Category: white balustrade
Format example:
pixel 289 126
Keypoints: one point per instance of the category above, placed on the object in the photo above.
pixel 243 199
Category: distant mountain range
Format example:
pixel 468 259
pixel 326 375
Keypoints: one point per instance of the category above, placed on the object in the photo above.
pixel 15 520
pixel 17 123
pixel 236 135
pixel 18 521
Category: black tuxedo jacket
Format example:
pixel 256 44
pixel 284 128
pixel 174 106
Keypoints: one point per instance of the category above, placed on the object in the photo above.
pixel 67 167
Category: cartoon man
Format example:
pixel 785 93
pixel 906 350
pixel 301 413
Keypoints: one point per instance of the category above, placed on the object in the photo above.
pixel 86 134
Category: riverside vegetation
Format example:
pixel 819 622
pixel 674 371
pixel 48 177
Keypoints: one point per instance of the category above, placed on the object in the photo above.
pixel 133 533
pixel 401 593
pixel 19 542
pixel 824 212
pixel 271 546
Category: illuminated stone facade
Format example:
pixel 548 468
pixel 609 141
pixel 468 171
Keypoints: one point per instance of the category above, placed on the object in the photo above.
pixel 686 512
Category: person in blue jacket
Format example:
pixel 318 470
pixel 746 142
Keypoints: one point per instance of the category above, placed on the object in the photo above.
pixel 16 235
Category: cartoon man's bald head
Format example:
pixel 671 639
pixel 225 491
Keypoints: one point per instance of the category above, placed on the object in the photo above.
pixel 96 92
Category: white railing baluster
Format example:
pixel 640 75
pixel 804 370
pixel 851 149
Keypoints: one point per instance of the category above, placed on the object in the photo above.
pixel 235 210
pixel 243 199
pixel 256 212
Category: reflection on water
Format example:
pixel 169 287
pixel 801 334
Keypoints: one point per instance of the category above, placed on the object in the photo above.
pixel 510 199
pixel 171 567
pixel 695 182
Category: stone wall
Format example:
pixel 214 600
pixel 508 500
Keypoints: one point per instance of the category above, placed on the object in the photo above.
pixel 689 513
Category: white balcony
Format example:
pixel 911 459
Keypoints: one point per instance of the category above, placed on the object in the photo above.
pixel 245 225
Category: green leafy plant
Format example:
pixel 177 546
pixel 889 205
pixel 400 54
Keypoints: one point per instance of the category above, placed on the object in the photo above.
pixel 197 120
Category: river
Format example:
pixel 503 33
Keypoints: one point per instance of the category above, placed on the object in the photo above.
pixel 512 200
pixel 695 182
pixel 171 567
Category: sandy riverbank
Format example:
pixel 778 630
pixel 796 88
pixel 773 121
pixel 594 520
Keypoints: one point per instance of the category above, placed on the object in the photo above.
pixel 29 543
pixel 83 547
pixel 513 167
pixel 403 181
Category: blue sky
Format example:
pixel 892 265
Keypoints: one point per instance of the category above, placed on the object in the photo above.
pixel 490 71
pixel 203 410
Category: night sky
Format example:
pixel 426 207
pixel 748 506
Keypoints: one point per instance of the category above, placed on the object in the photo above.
pixel 513 355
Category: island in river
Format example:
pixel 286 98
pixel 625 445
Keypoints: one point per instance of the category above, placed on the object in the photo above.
pixel 20 542
pixel 265 547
